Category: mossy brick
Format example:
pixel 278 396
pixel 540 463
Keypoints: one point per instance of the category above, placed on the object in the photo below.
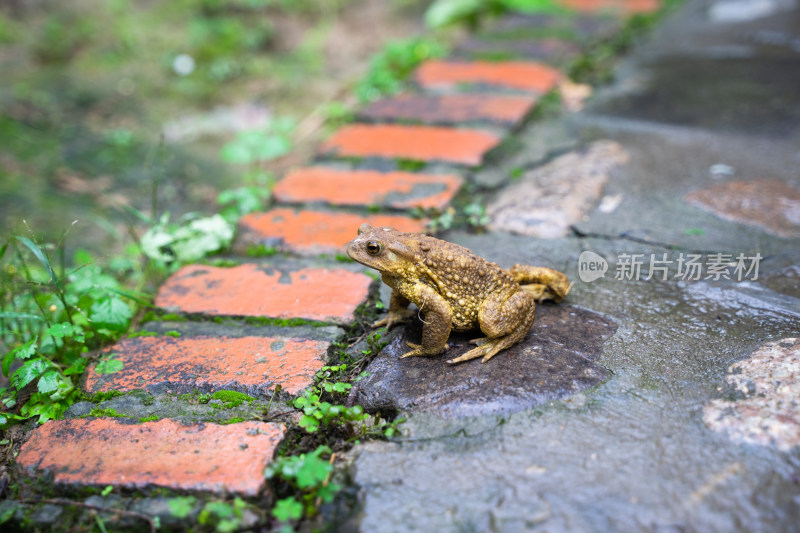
pixel 418 143
pixel 623 7
pixel 224 459
pixel 527 76
pixel 553 51
pixel 311 232
pixel 252 364
pixel 400 190
pixel 323 294
pixel 457 108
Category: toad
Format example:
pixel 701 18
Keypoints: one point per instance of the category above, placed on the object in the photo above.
pixel 455 290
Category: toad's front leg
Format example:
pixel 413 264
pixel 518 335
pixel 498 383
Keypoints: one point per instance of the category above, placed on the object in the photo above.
pixel 398 311
pixel 437 323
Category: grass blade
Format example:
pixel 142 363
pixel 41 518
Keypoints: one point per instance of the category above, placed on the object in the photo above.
pixel 25 316
pixel 40 255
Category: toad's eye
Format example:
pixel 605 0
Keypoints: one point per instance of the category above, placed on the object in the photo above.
pixel 373 248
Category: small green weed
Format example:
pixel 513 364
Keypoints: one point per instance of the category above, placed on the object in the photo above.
pixel 472 216
pixel 172 244
pixel 318 412
pixel 50 317
pixel 241 201
pixel 472 12
pixel 221 515
pixel 389 69
pixel 307 476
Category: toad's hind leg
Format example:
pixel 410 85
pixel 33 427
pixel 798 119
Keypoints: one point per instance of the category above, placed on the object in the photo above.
pixel 542 282
pixel 505 323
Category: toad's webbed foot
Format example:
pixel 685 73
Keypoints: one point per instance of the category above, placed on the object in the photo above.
pixel 393 318
pixel 419 351
pixel 487 348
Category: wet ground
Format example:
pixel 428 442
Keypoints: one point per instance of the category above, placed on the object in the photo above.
pixel 671 440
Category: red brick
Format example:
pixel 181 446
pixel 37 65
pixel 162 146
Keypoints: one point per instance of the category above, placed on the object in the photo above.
pixel 205 457
pixel 520 75
pixel 253 364
pixel 452 108
pixel 314 232
pixel 627 7
pixel 250 290
pixel 367 187
pixel 420 143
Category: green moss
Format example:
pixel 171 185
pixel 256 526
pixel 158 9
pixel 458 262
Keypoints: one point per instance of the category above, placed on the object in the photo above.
pixel 410 165
pixel 260 250
pixel 194 397
pixel 231 398
pixel 155 316
pixel 283 322
pixel 103 396
pixel 232 420
pixel 221 262
pixel 172 333
pixel 547 106
pixel 494 55
pixel 143 334
pixel 150 418
pixel 107 412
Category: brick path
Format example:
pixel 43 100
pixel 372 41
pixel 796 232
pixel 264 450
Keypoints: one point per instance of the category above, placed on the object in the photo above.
pixel 461 111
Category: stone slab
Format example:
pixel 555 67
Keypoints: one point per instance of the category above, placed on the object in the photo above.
pixel 769 204
pixel 768 414
pixel 207 457
pixel 312 232
pixel 417 143
pixel 254 365
pixel 399 190
pixel 555 360
pixel 324 294
pixel 548 200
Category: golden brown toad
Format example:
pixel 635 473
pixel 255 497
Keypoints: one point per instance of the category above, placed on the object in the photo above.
pixel 454 289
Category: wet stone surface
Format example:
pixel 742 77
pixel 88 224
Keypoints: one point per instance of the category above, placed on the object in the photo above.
pixel 769 412
pixel 555 360
pixel 769 204
pixel 646 199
